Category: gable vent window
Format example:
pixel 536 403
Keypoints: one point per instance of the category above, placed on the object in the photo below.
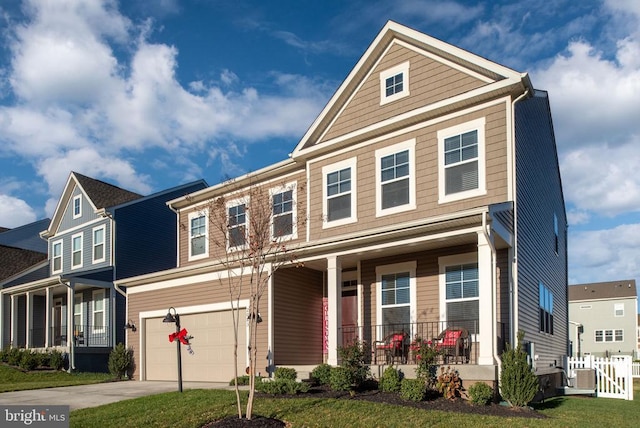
pixel 394 83
pixel 77 206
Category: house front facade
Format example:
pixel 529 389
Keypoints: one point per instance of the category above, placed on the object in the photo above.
pixel 72 303
pixel 603 318
pixel 425 196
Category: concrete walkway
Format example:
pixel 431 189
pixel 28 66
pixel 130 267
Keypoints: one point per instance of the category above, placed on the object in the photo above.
pixel 79 397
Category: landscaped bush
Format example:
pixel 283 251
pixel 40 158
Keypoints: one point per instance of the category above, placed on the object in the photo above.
pixel 56 359
pixel 413 389
pixel 480 393
pixel 341 379
pixel 14 355
pixel 120 361
pixel 518 383
pixel 244 380
pixel 29 360
pixel 449 383
pixel 426 359
pixel 354 359
pixel 285 373
pixel 4 355
pixel 282 386
pixel 43 359
pixel 321 374
pixel 390 380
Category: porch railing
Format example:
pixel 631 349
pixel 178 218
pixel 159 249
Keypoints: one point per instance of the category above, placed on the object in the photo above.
pixel 426 331
pixel 92 335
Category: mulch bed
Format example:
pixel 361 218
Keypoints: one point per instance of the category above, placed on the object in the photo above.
pixel 431 403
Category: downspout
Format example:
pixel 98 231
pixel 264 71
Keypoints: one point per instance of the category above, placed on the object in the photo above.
pixel 494 300
pixel 513 281
pixel 72 349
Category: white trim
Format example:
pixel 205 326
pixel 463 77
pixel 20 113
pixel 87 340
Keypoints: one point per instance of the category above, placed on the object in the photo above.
pixel 293 187
pixel 400 69
pixel 93 244
pixel 73 206
pixel 53 244
pixel 101 328
pixel 197 214
pixel 185 280
pixel 410 146
pixel 72 327
pixel 73 237
pixel 473 125
pixel 232 204
pixel 351 163
pixel 410 267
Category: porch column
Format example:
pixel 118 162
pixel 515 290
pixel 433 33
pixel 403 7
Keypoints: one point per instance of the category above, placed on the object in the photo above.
pixel 13 337
pixel 70 338
pixel 334 299
pixel 486 323
pixel 28 320
pixel 48 323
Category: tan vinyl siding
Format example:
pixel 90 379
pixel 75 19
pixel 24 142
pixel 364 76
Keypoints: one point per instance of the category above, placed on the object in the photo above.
pixel 297 319
pixel 430 81
pixel 187 295
pixel 426 176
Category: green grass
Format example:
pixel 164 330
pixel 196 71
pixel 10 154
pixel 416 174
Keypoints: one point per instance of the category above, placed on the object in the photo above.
pixel 12 379
pixel 194 408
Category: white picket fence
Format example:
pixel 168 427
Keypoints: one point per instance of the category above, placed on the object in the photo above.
pixel 614 376
pixel 636 370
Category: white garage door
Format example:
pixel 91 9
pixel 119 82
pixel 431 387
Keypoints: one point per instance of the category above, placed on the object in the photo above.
pixel 212 343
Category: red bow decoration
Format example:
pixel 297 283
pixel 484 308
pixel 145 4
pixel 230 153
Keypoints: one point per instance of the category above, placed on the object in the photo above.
pixel 181 336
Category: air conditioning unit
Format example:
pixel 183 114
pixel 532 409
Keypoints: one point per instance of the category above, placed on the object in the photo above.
pixel 585 379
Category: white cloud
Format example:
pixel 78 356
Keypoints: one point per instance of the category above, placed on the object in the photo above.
pixel 15 212
pixel 577 217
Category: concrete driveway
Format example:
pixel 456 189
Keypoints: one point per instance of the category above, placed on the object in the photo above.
pixel 79 397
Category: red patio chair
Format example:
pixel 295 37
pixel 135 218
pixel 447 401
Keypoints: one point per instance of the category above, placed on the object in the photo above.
pixel 453 342
pixel 393 346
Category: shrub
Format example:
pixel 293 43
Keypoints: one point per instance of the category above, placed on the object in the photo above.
pixel 28 360
pixel 480 393
pixel 354 358
pixel 4 355
pixel 518 382
pixel 321 374
pixel 285 373
pixel 14 355
pixel 412 389
pixel 56 359
pixel 426 358
pixel 282 386
pixel 341 379
pixel 449 383
pixel 120 361
pixel 390 380
pixel 43 359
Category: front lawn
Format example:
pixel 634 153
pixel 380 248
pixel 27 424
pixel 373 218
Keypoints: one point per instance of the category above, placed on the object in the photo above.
pixel 13 379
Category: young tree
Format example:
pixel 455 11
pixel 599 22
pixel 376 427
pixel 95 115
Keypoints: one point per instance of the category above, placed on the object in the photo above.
pixel 250 233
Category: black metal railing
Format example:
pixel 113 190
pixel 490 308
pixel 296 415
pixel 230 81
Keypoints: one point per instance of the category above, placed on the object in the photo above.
pixel 88 335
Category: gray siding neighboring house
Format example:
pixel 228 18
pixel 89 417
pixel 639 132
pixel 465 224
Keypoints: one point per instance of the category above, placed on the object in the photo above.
pixel 603 318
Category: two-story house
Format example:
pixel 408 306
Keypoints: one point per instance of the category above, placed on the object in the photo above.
pixel 603 318
pixel 99 232
pixel 425 195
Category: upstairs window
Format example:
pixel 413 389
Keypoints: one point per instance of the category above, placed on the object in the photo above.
pixel 198 242
pixel 283 211
pixel 555 232
pixel 77 206
pixel 339 193
pixel 98 244
pixel 461 161
pixel 237 227
pixel 76 251
pixel 394 83
pixel 545 309
pixel 395 178
pixel 609 335
pixel 57 257
pixel 618 310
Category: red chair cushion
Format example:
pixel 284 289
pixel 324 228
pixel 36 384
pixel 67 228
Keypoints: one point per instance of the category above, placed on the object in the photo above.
pixel 451 338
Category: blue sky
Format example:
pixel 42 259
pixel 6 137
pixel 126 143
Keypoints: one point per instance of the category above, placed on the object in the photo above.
pixel 148 94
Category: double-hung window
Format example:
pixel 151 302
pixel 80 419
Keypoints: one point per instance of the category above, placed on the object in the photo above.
pixel 339 193
pixel 78 325
pixel 461 161
pixel 77 206
pixel 98 322
pixel 98 244
pixel 395 178
pixel 460 291
pixel 396 291
pixel 56 250
pixel 237 225
pixel 545 309
pixel 198 240
pixel 394 83
pixel 76 251
pixel 609 335
pixel 618 310
pixel 283 207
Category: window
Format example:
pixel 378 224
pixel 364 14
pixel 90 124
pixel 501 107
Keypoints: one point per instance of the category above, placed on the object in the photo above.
pixel 618 310
pixel 283 201
pixel 396 296
pixel 545 309
pixel 555 232
pixel 77 206
pixel 76 251
pixel 78 327
pixel 339 193
pixel 609 335
pixel 395 178
pixel 461 291
pixel 57 256
pixel 394 83
pixel 237 227
pixel 98 244
pixel 98 311
pixel 198 242
pixel 461 161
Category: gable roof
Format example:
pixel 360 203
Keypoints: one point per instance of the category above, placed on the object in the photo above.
pixel 26 236
pixel 15 260
pixel 603 290
pixel 497 78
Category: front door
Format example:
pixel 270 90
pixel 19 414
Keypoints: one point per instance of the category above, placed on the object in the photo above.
pixel 349 314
